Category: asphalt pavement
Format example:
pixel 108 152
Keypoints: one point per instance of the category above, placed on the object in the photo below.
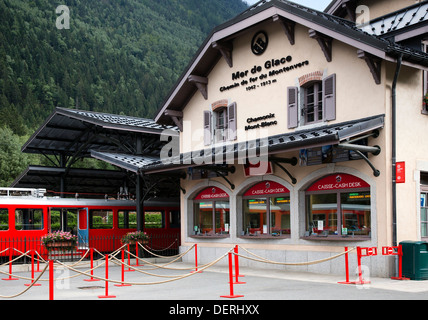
pixel 180 285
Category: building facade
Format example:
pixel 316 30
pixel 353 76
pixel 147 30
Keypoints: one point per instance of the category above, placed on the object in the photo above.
pixel 292 124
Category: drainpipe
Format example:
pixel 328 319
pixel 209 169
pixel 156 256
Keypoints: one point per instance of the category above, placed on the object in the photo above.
pixel 394 151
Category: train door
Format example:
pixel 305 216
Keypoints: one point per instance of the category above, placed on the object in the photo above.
pixel 83 226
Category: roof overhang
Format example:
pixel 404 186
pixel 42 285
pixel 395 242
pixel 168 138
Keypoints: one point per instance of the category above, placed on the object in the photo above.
pixel 74 132
pixel 88 182
pixel 242 152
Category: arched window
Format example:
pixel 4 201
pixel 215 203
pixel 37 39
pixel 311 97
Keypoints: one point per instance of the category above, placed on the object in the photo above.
pixel 338 205
pixel 266 210
pixel 211 213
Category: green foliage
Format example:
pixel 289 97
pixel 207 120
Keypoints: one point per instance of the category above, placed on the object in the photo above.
pixel 117 56
pixel 12 160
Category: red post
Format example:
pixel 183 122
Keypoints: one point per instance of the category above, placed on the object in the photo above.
pixel 123 272
pixel 136 256
pixel 51 280
pixel 231 295
pixel 129 261
pixel 92 267
pixel 106 296
pixel 360 272
pixel 32 272
pixel 237 262
pixel 10 267
pixel 237 268
pixel 389 251
pixel 196 259
pixel 346 267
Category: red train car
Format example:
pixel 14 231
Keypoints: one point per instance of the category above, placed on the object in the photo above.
pixel 26 215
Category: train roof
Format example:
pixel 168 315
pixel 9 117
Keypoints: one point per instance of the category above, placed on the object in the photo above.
pixel 18 196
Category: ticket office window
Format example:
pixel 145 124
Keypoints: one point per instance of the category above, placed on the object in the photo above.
pixel 266 216
pixel 211 218
pixel 341 213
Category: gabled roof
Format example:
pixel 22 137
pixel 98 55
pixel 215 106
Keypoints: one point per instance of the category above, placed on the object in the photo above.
pixel 334 27
pixel 401 21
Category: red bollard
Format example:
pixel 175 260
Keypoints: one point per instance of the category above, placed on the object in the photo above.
pixel 123 272
pixel 196 260
pixel 347 268
pixel 32 272
pixel 237 268
pixel 237 262
pixel 92 268
pixel 231 295
pixel 129 261
pixel 106 296
pixel 51 280
pixel 390 251
pixel 136 256
pixel 10 267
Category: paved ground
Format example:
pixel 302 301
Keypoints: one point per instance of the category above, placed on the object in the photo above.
pixel 260 285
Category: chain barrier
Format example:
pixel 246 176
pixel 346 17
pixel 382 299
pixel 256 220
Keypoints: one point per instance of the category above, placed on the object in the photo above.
pixel 264 260
pixel 112 257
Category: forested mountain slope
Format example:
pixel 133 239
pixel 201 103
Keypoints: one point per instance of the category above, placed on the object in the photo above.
pixel 117 56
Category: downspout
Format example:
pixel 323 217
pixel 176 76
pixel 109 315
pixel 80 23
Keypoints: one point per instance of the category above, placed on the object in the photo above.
pixel 394 150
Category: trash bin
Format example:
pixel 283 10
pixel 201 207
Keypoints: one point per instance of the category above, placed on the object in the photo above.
pixel 415 260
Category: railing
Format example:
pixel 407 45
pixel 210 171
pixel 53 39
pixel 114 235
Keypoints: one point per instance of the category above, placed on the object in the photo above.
pixel 159 244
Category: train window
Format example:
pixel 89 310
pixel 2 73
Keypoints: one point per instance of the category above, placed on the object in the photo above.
pixel 174 219
pixel 4 219
pixel 127 219
pixel 154 219
pixel 29 219
pixel 101 219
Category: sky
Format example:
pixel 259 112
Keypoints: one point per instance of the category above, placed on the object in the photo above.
pixel 314 4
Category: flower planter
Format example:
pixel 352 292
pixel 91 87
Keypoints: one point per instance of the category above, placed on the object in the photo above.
pixel 61 245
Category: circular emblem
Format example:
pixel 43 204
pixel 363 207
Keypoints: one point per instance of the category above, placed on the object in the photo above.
pixel 259 43
pixel 338 179
pixel 213 190
pixel 267 185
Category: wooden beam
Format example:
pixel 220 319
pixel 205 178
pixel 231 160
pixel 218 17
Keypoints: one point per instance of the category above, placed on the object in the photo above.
pixel 201 83
pixel 288 26
pixel 325 42
pixel 177 117
pixel 226 49
pixel 374 64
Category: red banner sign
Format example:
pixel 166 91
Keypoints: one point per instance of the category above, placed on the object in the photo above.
pixel 401 172
pixel 266 188
pixel 339 181
pixel 211 194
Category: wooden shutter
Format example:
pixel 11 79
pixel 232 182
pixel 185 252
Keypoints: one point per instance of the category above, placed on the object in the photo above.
pixel 231 118
pixel 329 97
pixel 207 128
pixel 293 108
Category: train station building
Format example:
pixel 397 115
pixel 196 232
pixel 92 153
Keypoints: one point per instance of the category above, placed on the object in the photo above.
pixel 299 132
pixel 293 133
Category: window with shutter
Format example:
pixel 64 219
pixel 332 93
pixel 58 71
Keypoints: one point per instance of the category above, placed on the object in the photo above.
pixel 207 128
pixel 329 98
pixel 232 122
pixel 293 110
